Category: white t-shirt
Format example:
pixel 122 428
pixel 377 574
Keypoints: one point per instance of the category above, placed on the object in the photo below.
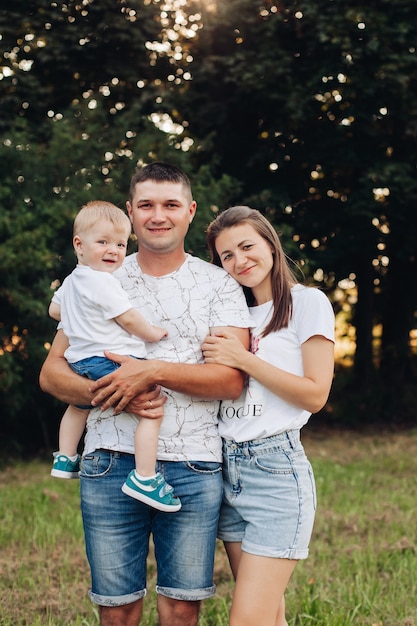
pixel 188 303
pixel 259 413
pixel 89 301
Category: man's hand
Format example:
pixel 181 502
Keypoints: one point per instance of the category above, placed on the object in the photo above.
pixel 134 377
pixel 149 404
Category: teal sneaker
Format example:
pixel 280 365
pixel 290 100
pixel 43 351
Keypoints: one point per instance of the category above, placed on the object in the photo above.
pixel 63 467
pixel 155 491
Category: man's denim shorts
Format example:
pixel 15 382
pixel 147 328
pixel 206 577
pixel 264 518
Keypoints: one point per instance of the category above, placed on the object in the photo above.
pixel 269 497
pixel 117 530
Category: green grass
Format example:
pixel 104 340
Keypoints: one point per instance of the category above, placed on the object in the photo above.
pixel 362 567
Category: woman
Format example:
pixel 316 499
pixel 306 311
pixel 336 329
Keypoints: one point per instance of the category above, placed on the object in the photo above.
pixel 268 506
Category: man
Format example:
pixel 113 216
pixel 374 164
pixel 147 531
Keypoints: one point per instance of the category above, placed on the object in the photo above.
pixel 189 298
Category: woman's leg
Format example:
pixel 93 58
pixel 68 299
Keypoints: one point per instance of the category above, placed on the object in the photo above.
pixel 281 620
pixel 259 592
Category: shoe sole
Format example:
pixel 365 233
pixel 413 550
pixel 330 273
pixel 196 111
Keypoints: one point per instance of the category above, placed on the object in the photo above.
pixel 61 474
pixel 153 503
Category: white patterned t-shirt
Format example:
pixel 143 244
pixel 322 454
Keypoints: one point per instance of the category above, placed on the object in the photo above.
pixel 188 303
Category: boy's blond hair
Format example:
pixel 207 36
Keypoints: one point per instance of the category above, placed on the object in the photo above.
pixel 97 210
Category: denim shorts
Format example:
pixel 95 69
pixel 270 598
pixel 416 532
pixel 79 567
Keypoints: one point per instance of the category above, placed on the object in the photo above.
pixel 117 530
pixel 94 367
pixel 269 498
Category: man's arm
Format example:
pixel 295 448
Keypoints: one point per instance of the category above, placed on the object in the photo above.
pixel 58 379
pixel 203 380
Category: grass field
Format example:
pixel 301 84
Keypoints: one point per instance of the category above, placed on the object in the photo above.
pixel 362 567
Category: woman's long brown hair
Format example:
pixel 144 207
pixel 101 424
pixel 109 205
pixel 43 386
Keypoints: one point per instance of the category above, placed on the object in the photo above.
pixel 282 278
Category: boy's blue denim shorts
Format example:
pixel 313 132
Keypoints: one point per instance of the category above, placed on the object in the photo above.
pixel 117 529
pixel 269 499
pixel 94 367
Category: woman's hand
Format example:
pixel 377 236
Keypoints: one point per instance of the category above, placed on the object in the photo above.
pixel 224 349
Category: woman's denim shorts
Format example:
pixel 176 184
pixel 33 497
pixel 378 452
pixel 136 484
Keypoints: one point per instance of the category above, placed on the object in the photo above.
pixel 117 529
pixel 269 498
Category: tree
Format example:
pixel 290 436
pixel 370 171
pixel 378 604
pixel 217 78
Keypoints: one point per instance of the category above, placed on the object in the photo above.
pixel 305 110
pixel 56 54
pixel 70 132
pixel 312 106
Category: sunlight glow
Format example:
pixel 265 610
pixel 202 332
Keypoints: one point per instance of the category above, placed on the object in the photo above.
pixel 165 123
pixel 381 193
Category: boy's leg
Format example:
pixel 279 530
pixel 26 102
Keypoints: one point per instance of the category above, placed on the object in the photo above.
pixel 143 483
pixel 146 445
pixel 71 430
pixel 67 460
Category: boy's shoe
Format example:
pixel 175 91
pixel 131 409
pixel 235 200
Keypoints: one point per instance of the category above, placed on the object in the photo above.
pixel 155 491
pixel 63 467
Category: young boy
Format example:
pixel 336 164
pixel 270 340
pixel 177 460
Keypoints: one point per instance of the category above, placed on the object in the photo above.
pixel 96 315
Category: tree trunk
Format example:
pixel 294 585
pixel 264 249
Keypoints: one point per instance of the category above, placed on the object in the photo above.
pixel 397 320
pixel 363 322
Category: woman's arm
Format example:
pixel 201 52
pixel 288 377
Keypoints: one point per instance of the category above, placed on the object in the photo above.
pixel 309 392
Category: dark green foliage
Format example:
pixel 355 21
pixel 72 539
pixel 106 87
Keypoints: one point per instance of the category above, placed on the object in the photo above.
pixel 74 50
pixel 304 110
pixel 312 107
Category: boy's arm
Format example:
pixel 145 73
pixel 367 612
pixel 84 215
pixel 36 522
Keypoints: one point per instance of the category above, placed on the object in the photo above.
pixel 58 379
pixel 135 324
pixel 55 311
pixel 203 380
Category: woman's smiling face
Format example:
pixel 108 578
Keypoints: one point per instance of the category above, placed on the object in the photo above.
pixel 248 257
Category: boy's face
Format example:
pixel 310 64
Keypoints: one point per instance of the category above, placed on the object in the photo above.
pixel 103 247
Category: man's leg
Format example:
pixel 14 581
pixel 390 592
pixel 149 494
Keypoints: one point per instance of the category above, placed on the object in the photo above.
pixel 116 530
pixel 127 615
pixel 185 541
pixel 177 612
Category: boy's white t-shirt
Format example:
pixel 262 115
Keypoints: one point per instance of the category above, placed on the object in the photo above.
pixel 89 301
pixel 188 303
pixel 259 413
